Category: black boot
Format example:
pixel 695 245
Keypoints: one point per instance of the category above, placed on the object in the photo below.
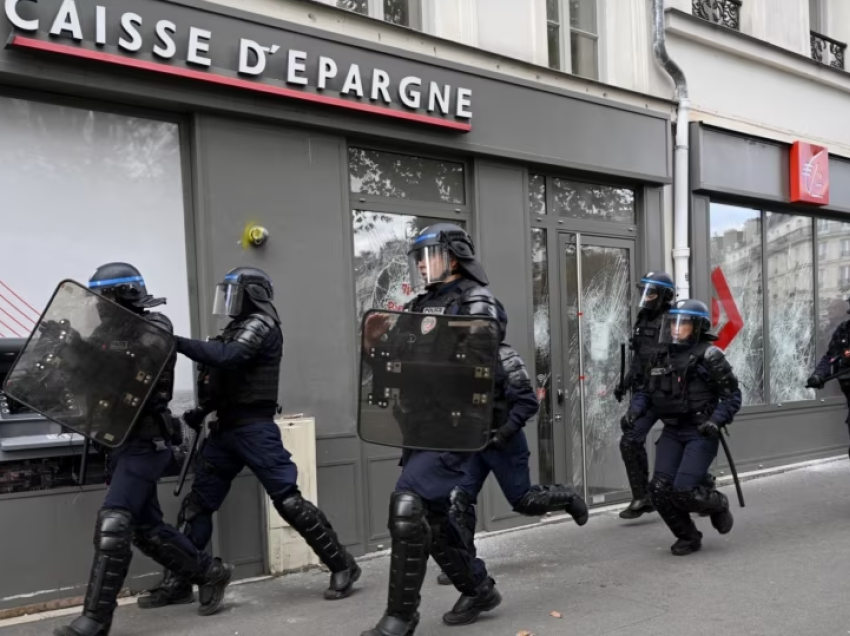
pixel 637 471
pixel 112 557
pixel 312 524
pixel 188 564
pixel 171 590
pixel 462 514
pixel 542 499
pixel 443 579
pixel 710 503
pixel 469 608
pixel 411 539
pixel 679 521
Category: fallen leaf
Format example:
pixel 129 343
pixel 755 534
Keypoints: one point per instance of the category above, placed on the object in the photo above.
pixel 555 614
pixel 524 633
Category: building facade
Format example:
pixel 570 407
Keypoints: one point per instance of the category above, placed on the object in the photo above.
pixel 155 131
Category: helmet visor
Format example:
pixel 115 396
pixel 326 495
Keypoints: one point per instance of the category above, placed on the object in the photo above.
pixel 228 300
pixel 428 265
pixel 681 326
pixel 652 294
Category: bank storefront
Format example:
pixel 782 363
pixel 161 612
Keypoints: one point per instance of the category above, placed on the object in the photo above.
pixel 154 132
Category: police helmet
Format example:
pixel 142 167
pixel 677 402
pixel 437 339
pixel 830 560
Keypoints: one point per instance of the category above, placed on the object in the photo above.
pixel 244 289
pixel 686 323
pixel 123 284
pixel 656 290
pixel 430 253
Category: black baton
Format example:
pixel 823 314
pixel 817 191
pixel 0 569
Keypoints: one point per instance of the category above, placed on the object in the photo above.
pixel 188 461
pixel 623 367
pixel 84 463
pixel 732 466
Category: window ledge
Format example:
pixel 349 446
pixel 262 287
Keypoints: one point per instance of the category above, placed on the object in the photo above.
pixel 746 46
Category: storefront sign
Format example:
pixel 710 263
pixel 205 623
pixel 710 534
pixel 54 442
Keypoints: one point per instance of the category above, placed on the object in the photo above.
pixel 86 31
pixel 809 173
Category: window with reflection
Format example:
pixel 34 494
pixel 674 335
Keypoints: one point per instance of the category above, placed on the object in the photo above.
pixel 572 36
pixel 542 354
pixel 833 286
pixel 406 13
pixel 387 174
pixel 592 201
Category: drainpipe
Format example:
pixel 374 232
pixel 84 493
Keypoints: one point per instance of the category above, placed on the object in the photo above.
pixel 681 188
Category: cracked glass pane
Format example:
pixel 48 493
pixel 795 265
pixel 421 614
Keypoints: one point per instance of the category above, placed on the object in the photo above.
pixel 593 201
pixel 736 257
pixel 388 174
pixel 833 286
pixel 537 194
pixel 542 354
pixel 791 306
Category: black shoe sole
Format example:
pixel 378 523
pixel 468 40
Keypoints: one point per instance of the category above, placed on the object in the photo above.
pixel 686 551
pixel 208 609
pixel 336 595
pixel 629 514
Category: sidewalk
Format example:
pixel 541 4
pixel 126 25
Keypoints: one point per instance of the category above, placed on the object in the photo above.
pixel 782 570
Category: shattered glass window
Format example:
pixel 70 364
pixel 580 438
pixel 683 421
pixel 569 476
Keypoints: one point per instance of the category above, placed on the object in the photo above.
pixel 380 259
pixel 791 307
pixel 736 274
pixel 542 354
pixel 537 194
pixel 593 201
pixel 387 174
pixel 833 286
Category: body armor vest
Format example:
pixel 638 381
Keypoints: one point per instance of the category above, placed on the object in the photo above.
pixel 645 344
pixel 253 385
pixel 679 386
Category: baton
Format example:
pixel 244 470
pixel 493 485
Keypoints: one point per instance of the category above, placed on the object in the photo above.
pixel 84 463
pixel 732 466
pixel 188 461
pixel 622 366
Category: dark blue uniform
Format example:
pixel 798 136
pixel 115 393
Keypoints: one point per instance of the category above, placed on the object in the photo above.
pixel 239 374
pixel 131 513
pixel 835 360
pixel 694 391
pixel 419 520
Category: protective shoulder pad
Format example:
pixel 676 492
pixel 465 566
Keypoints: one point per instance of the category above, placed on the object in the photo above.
pixel 719 368
pixel 254 329
pixel 160 320
pixel 479 301
pixel 514 367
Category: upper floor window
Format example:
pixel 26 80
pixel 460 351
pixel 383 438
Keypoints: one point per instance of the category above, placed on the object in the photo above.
pixel 572 31
pixel 406 13
pixel 824 49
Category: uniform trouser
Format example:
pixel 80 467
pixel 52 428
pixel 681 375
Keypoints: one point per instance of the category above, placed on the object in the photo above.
pixel 258 446
pixel 633 450
pixel 678 488
pixel 420 526
pixel 131 512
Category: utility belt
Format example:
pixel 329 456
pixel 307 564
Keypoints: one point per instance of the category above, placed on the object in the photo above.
pixel 235 417
pixel 153 426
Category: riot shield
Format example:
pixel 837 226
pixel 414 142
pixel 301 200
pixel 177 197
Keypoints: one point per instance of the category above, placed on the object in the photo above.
pixel 427 381
pixel 89 364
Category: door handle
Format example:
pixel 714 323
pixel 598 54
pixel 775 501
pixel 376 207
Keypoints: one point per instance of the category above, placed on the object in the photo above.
pixel 558 417
pixel 560 396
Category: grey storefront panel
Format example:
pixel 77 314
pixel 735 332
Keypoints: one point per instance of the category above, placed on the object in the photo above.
pixel 284 164
pixel 509 119
pixel 735 169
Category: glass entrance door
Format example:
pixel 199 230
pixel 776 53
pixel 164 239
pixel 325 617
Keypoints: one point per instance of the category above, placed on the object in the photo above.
pixel 597 279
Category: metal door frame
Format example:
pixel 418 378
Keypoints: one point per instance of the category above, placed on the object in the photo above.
pixel 561 406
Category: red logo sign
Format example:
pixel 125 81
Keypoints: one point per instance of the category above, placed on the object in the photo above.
pixel 809 174
pixel 734 322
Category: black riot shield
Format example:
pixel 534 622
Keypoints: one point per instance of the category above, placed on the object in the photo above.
pixel 427 381
pixel 89 364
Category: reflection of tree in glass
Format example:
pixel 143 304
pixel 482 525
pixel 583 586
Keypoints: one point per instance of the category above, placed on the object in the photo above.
pixel 590 201
pixel 542 353
pixel 397 12
pixel 606 304
pixel 358 6
pixel 139 149
pixel 537 194
pixel 392 175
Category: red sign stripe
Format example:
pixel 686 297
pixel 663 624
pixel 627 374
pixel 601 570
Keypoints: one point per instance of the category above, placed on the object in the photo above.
pixel 12 291
pixel 232 82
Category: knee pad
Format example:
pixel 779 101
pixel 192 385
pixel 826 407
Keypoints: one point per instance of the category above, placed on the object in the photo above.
pixel 407 516
pixel 113 531
pixel 460 503
pixel 631 447
pixel 660 485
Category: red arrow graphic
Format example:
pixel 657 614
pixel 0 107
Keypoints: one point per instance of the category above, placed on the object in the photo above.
pixel 734 323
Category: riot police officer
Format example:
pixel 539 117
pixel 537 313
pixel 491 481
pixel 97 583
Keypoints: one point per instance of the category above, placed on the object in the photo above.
pixel 443 264
pixel 507 454
pixel 130 512
pixel 657 292
pixel 695 393
pixel 244 372
pixel 835 363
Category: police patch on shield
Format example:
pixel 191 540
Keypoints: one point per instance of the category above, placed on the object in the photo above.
pixel 428 324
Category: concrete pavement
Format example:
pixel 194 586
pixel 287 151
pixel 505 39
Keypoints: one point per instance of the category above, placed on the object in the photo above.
pixel 783 570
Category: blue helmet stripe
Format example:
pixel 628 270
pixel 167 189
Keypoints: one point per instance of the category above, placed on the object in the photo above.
pixel 688 312
pixel 232 278
pixel 94 284
pixel 424 237
pixel 657 282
